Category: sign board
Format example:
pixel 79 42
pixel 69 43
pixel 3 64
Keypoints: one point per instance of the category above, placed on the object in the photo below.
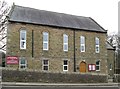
pixel 12 60
pixel 91 67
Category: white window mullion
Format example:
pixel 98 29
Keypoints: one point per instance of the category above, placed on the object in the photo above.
pixel 22 63
pixel 97 65
pixel 65 46
pixel 97 48
pixel 45 45
pixel 45 64
pixel 65 65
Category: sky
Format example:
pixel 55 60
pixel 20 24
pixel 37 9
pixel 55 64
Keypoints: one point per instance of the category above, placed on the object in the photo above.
pixel 105 12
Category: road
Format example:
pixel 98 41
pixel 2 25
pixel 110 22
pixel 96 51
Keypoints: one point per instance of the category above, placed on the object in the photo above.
pixel 59 87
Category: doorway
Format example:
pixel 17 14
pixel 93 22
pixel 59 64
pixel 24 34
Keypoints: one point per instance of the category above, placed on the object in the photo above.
pixel 82 67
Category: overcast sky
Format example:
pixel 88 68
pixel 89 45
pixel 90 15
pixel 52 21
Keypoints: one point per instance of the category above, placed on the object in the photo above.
pixel 105 12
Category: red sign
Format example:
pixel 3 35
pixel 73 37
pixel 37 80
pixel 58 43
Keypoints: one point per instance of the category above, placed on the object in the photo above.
pixel 91 67
pixel 12 60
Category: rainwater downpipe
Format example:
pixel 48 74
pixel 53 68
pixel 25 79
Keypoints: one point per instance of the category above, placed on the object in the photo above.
pixel 74 50
pixel 32 43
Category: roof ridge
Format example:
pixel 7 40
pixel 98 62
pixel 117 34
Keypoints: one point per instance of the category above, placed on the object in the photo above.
pixel 35 16
pixel 51 11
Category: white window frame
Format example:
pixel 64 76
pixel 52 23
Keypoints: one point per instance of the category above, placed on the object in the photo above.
pixel 65 43
pixel 65 66
pixel 82 38
pixel 43 65
pixel 111 67
pixel 22 64
pixel 23 41
pixel 45 42
pixel 97 45
pixel 98 66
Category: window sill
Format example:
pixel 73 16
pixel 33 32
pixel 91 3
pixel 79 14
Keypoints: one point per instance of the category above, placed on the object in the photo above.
pixel 45 49
pixel 97 70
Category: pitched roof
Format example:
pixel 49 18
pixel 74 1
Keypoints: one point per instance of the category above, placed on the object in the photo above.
pixel 35 16
pixel 109 46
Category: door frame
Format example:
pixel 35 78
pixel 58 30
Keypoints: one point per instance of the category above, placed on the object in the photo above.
pixel 85 66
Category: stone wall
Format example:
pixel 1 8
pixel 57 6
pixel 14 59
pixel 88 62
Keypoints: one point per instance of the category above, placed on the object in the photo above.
pixel 55 54
pixel 111 60
pixel 35 76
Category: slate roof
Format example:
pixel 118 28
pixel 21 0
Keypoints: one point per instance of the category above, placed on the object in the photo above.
pixel 35 16
pixel 109 46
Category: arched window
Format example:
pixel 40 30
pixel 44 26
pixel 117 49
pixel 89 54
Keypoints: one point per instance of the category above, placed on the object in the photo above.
pixel 23 35
pixel 45 40
pixel 82 43
pixel 97 45
pixel 65 42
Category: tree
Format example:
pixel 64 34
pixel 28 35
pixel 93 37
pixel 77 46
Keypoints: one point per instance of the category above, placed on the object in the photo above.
pixel 4 11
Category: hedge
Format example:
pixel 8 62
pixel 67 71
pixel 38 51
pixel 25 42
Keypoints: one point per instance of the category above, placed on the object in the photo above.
pixel 44 77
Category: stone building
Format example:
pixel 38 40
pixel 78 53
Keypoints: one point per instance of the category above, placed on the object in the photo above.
pixel 55 42
pixel 111 59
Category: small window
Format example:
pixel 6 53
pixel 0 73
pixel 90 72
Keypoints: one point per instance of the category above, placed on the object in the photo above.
pixel 110 66
pixel 65 65
pixel 22 63
pixel 45 40
pixel 82 43
pixel 97 65
pixel 97 49
pixel 23 39
pixel 65 42
pixel 45 65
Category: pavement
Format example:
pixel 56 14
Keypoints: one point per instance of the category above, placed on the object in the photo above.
pixel 57 84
